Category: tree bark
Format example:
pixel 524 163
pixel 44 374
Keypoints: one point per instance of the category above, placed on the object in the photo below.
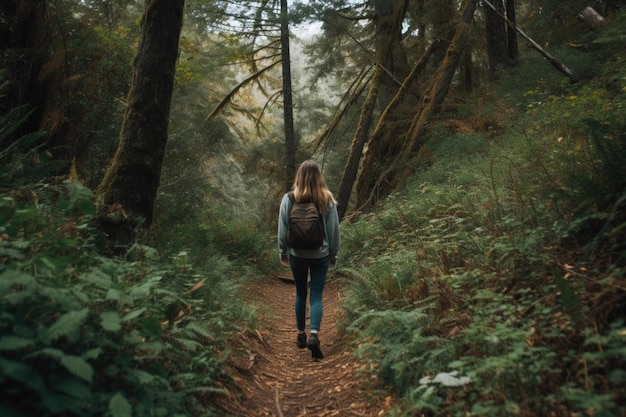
pixel 384 144
pixel 497 49
pixel 441 82
pixel 290 136
pixel 389 15
pixel 511 32
pixel 25 40
pixel 409 141
pixel 128 190
pixel 556 63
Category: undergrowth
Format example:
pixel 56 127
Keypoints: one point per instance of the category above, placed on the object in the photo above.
pixel 82 334
pixel 493 285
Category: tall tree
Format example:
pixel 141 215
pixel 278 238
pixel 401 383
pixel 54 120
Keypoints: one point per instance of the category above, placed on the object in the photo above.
pixel 260 43
pixel 511 33
pixel 128 190
pixel 24 44
pixel 386 170
pixel 393 91
pixel 388 21
pixel 502 47
pixel 290 135
pixel 497 49
pixel 558 64
pixel 71 71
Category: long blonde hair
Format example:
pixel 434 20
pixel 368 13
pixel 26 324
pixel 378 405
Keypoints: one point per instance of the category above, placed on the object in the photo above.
pixel 309 184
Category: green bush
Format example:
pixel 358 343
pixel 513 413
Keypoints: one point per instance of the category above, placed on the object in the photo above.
pixel 493 283
pixel 85 335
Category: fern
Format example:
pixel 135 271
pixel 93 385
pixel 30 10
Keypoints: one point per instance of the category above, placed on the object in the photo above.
pixel 509 275
pixel 79 367
pixel 133 314
pixel 67 324
pixel 14 343
pixel 111 321
pixel 119 406
pixel 78 328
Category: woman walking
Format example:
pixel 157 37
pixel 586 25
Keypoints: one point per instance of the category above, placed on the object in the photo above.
pixel 309 186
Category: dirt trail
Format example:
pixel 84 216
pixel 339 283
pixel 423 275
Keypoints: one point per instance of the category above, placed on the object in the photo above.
pixel 278 379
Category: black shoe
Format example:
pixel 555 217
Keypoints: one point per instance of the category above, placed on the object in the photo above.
pixel 302 340
pixel 314 346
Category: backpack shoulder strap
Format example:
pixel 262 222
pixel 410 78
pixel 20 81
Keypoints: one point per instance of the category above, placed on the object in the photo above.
pixel 291 196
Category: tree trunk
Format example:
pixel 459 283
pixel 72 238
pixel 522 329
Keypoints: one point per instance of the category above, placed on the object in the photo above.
pixel 25 40
pixel 389 15
pixel 497 49
pixel 556 63
pixel 409 141
pixel 290 136
pixel 386 142
pixel 128 190
pixel 351 169
pixel 511 33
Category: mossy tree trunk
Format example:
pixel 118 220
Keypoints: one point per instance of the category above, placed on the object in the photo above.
pixel 387 139
pixel 128 190
pixel 388 161
pixel 389 16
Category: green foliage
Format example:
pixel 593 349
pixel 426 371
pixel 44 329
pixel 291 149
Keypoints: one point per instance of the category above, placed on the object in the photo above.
pixel 85 335
pixel 23 160
pixel 493 284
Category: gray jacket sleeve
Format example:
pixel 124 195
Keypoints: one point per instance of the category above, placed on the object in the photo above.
pixel 283 223
pixel 332 230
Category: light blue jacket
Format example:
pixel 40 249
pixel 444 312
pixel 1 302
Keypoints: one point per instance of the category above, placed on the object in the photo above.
pixel 332 241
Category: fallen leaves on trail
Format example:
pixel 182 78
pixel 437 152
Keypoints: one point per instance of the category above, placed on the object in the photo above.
pixel 276 378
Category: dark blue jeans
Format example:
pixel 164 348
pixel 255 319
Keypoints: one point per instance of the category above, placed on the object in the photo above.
pixel 300 268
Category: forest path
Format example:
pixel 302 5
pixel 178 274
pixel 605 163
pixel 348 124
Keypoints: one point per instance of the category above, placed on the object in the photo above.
pixel 276 378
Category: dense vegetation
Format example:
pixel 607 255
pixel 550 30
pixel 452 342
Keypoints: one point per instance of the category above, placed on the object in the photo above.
pixel 491 284
pixel 494 282
pixel 85 334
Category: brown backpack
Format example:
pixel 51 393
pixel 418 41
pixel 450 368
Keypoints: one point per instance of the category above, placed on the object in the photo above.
pixel 306 227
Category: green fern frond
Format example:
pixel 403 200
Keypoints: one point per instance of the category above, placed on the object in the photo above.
pixel 18 371
pixel 119 406
pixel 78 367
pixel 11 281
pixel 92 353
pixel 147 378
pixel 9 343
pixel 134 314
pixel 99 278
pixel 190 345
pixel 67 324
pixel 152 347
pixel 111 321
pixel 200 329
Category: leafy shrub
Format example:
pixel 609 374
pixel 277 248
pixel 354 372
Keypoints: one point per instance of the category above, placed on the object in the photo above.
pixel 81 334
pixel 493 284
